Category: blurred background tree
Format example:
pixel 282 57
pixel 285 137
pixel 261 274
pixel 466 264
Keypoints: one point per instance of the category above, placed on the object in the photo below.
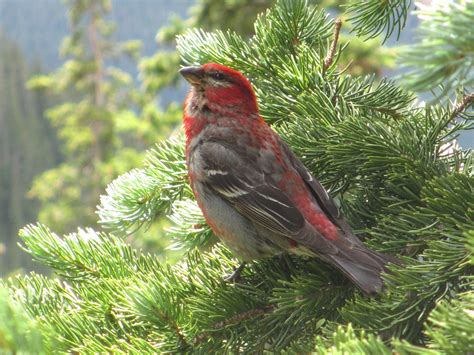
pixel 28 145
pixel 93 124
pixel 101 123
pixel 441 63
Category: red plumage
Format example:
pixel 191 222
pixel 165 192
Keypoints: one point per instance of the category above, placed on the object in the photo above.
pixel 254 192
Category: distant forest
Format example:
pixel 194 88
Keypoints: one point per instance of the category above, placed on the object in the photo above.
pixel 30 37
pixel 28 145
pixel 38 26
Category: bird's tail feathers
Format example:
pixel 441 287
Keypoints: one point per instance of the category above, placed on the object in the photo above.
pixel 363 266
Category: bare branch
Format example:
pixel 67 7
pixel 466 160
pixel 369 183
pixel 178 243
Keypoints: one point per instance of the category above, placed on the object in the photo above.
pixel 253 313
pixel 465 102
pixel 332 51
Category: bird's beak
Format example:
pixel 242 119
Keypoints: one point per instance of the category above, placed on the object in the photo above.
pixel 193 74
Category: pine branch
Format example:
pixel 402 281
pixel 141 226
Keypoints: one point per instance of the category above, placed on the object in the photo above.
pixel 345 341
pixel 136 198
pixel 236 319
pixel 436 274
pixel 465 103
pixel 189 229
pixel 19 333
pixel 441 60
pixel 374 17
pixel 450 325
pixel 83 255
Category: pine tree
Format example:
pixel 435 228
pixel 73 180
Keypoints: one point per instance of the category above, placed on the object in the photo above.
pixel 95 124
pixel 21 156
pixel 404 185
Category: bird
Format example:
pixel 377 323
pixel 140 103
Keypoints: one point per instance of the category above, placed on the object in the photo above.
pixel 255 194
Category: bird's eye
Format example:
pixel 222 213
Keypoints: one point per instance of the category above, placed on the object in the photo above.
pixel 217 76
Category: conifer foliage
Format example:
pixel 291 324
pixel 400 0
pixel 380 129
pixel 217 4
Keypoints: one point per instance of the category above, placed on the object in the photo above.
pixel 404 185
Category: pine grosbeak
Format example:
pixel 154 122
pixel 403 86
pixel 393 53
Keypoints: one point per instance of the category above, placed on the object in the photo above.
pixel 255 194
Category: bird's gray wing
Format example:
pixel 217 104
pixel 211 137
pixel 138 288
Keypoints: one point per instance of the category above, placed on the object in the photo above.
pixel 236 177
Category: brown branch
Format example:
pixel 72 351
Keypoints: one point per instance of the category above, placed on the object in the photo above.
pixel 174 327
pixel 235 320
pixel 332 51
pixel 240 317
pixel 465 102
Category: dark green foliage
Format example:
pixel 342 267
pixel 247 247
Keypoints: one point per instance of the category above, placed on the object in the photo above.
pixel 239 15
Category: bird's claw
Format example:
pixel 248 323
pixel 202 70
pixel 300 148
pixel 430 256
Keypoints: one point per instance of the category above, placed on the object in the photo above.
pixel 236 275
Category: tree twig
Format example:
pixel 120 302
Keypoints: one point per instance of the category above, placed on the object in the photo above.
pixel 253 313
pixel 174 327
pixel 332 51
pixel 466 101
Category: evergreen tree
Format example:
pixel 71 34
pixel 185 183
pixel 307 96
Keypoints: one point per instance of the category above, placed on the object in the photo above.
pixel 96 125
pixel 392 164
pixel 23 154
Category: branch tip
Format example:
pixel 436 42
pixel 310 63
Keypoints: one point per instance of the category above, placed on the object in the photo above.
pixel 465 102
pixel 332 51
